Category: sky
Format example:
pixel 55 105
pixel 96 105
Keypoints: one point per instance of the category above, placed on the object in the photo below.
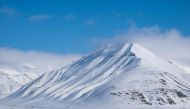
pixel 74 28
pixel 67 26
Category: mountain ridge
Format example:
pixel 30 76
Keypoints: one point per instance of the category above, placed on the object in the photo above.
pixel 124 75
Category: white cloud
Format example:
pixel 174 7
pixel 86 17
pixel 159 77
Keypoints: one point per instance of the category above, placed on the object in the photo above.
pixel 168 43
pixel 39 17
pixel 70 17
pixel 41 60
pixel 8 11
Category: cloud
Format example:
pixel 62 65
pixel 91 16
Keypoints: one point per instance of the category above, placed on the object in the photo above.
pixel 70 17
pixel 39 60
pixel 167 43
pixel 90 22
pixel 8 11
pixel 39 17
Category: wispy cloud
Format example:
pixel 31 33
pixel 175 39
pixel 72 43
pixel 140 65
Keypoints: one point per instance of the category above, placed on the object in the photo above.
pixel 8 11
pixel 39 17
pixel 70 17
pixel 168 43
pixel 41 60
pixel 90 22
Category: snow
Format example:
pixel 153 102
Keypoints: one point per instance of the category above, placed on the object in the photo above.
pixel 112 77
pixel 14 77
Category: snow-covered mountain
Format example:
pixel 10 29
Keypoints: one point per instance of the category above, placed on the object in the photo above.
pixel 14 77
pixel 113 77
pixel 20 67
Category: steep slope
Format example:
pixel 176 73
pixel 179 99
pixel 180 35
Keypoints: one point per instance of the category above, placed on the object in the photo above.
pixel 113 77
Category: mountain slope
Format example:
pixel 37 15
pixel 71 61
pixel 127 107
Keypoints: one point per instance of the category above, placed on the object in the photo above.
pixel 113 77
pixel 14 77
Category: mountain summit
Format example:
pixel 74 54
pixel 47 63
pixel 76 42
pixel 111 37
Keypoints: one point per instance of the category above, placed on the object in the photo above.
pixel 112 77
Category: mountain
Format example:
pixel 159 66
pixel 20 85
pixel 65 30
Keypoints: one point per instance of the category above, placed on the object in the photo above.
pixel 14 76
pixel 18 67
pixel 114 77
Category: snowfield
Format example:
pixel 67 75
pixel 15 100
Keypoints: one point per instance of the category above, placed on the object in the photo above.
pixel 121 77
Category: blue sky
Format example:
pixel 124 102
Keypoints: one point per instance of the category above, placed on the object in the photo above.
pixel 68 26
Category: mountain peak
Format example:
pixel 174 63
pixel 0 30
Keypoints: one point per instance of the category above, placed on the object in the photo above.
pixel 129 72
pixel 129 47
